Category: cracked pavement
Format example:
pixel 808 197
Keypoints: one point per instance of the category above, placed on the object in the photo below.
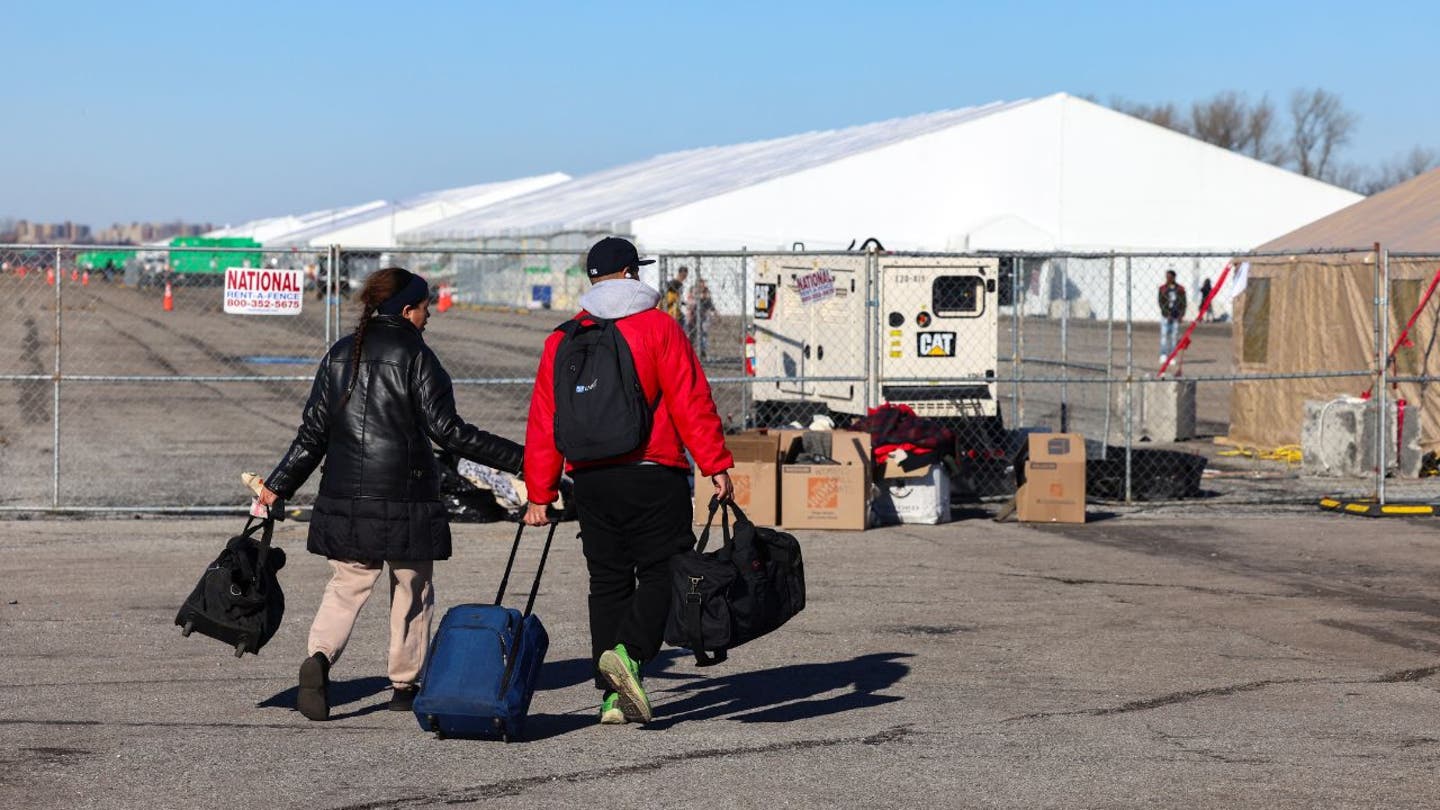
pixel 1158 659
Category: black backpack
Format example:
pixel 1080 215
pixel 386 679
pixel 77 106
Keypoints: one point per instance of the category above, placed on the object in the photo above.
pixel 238 599
pixel 600 406
pixel 751 585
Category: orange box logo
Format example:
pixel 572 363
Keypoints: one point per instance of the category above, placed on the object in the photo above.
pixel 1057 490
pixel 823 493
pixel 742 489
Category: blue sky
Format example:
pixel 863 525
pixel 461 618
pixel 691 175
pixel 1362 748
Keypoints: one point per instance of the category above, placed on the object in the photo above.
pixel 226 112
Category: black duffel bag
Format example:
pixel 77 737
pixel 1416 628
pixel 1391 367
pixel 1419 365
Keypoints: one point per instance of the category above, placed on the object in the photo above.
pixel 749 586
pixel 238 599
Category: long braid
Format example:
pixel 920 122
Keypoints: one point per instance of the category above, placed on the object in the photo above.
pixel 355 354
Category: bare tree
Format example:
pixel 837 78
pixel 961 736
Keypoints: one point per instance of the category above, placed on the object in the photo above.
pixel 1391 173
pixel 1321 125
pixel 1166 114
pixel 1221 120
pixel 1260 133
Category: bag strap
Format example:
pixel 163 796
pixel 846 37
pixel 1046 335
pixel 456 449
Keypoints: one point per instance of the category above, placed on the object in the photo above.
pixel 692 623
pixel 724 510
pixel 691 609
pixel 266 527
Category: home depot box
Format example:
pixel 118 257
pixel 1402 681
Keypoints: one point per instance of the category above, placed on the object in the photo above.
pixel 756 476
pixel 825 496
pixel 919 495
pixel 1054 490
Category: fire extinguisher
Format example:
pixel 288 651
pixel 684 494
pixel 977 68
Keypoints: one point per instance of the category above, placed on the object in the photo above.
pixel 749 355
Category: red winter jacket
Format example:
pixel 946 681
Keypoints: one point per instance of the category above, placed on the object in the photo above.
pixel 667 366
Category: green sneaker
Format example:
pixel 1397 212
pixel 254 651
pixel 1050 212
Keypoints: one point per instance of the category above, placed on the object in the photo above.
pixel 623 673
pixel 610 714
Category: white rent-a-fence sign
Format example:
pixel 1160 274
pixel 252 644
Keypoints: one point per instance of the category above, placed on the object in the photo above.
pixel 257 291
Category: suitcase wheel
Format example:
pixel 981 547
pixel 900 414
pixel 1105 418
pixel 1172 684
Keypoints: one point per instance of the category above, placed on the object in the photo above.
pixel 239 649
pixel 188 628
pixel 505 738
pixel 434 723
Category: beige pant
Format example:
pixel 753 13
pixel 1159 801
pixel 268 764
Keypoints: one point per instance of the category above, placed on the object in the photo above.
pixel 412 603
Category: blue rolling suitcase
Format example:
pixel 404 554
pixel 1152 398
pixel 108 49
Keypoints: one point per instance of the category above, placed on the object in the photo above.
pixel 484 663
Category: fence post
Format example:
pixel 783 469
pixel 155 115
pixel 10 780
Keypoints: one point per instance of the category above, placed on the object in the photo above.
pixel 1109 357
pixel 1020 356
pixel 1016 267
pixel 55 405
pixel 747 307
pixel 1382 393
pixel 692 329
pixel 872 324
pixel 1065 345
pixel 1129 376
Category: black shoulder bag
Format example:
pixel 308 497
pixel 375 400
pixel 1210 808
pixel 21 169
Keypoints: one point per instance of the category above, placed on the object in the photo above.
pixel 752 584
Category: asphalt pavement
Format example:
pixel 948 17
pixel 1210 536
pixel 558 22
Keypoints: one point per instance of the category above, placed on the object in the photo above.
pixel 1150 659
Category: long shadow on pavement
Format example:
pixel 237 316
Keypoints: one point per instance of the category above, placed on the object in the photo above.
pixel 339 693
pixel 786 693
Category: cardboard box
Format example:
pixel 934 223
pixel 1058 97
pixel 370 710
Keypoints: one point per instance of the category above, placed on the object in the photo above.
pixel 920 496
pixel 826 496
pixel 1054 490
pixel 756 476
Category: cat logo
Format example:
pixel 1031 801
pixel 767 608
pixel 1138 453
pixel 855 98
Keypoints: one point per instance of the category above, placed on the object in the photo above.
pixel 936 344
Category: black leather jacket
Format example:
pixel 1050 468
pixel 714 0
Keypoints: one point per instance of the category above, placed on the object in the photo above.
pixel 378 445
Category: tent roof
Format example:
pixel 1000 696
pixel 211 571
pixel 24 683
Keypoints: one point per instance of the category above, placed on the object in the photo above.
pixel 1403 218
pixel 269 229
pixel 609 200
pixel 446 202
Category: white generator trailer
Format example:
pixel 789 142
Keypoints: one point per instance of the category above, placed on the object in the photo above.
pixel 930 342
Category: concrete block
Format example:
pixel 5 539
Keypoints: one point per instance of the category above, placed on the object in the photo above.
pixel 1338 439
pixel 1164 411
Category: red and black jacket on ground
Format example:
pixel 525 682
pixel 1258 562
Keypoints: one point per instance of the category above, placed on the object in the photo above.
pixel 668 370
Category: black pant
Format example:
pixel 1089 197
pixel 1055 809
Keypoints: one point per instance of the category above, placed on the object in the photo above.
pixel 633 519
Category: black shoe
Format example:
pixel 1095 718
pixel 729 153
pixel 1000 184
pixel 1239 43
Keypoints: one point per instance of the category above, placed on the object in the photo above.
pixel 311 699
pixel 403 700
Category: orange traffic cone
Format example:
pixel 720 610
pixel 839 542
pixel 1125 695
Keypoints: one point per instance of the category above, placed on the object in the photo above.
pixel 445 301
pixel 85 279
pixel 50 276
pixel 169 302
pixel 22 270
pixel 74 274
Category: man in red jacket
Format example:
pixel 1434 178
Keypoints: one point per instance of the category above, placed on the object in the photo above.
pixel 634 510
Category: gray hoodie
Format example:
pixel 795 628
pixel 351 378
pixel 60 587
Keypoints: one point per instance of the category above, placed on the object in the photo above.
pixel 619 298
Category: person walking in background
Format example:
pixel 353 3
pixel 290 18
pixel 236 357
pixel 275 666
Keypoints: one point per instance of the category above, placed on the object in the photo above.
pixel 633 504
pixel 674 300
pixel 378 401
pixel 1205 288
pixel 702 309
pixel 1172 312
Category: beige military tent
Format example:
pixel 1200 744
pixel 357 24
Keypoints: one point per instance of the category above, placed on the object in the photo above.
pixel 1311 309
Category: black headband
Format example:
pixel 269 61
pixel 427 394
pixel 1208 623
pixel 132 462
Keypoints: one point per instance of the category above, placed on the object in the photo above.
pixel 411 294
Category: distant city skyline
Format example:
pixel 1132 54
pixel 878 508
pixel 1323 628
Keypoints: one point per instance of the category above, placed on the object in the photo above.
pixel 289 108
pixel 22 231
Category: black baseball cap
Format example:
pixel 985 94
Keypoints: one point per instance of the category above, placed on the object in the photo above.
pixel 611 255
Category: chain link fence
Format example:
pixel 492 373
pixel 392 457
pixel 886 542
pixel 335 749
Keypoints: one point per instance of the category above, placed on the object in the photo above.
pixel 127 386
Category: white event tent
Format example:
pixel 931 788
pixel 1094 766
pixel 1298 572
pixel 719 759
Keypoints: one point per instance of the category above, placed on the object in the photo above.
pixel 1057 173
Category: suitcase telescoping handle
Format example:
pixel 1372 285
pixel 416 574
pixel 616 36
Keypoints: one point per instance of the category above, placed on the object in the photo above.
pixel 539 570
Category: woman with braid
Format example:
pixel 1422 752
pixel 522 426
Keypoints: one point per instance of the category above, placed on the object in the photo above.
pixel 379 399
